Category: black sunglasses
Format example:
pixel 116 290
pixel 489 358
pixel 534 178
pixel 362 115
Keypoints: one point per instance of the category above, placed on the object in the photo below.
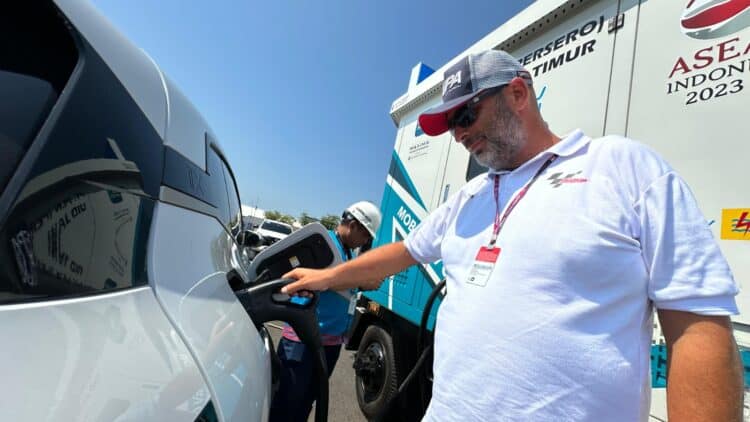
pixel 466 115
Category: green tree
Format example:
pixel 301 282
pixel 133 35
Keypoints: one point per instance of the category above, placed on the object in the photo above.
pixel 330 221
pixel 274 215
pixel 286 218
pixel 305 218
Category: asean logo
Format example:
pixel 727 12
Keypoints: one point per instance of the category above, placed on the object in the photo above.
pixel 706 19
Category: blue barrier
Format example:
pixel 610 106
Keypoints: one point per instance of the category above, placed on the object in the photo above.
pixel 659 366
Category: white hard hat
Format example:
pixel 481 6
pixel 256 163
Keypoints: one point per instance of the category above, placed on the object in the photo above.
pixel 367 214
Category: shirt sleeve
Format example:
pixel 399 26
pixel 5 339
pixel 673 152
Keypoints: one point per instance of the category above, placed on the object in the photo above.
pixel 423 243
pixel 687 269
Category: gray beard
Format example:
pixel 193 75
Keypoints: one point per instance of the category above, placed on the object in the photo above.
pixel 504 139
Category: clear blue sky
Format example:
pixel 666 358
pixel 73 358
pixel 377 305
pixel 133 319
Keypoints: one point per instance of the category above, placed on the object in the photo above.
pixel 298 92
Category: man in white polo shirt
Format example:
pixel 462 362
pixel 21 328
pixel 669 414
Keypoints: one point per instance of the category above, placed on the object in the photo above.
pixel 555 260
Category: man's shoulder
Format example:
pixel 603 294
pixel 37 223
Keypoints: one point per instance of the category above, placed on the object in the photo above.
pixel 616 143
pixel 622 148
pixel 631 159
pixel 622 144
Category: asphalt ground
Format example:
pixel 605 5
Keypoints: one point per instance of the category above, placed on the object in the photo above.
pixel 342 400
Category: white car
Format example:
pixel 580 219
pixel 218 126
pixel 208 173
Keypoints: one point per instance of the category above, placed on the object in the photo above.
pixel 120 237
pixel 273 231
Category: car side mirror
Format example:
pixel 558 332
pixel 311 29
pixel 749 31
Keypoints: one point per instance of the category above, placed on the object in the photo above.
pixel 249 238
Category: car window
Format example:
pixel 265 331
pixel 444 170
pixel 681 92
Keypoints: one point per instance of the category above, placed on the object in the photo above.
pixel 29 83
pixel 25 105
pixel 235 216
pixel 276 227
pixel 77 213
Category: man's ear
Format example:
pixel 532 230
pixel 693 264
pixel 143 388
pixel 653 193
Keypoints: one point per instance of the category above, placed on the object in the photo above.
pixel 518 94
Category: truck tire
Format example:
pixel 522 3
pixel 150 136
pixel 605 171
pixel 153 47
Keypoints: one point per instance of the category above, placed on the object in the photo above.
pixel 376 380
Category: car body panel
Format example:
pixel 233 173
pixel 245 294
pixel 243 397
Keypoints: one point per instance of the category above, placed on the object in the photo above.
pixel 186 127
pixel 188 270
pixel 104 358
pixel 132 66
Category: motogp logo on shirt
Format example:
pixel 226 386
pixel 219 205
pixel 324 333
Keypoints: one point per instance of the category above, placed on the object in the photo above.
pixel 706 19
pixel 559 179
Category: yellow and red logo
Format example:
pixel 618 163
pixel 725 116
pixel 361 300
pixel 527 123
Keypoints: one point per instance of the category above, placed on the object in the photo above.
pixel 735 224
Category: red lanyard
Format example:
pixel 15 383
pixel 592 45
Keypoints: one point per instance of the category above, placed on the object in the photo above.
pixel 500 220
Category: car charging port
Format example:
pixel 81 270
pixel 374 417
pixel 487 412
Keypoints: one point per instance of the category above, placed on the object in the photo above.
pixel 264 303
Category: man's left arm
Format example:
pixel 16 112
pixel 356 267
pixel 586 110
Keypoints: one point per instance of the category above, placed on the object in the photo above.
pixel 704 370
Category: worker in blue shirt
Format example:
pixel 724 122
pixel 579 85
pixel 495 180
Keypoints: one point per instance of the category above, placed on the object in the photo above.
pixel 297 386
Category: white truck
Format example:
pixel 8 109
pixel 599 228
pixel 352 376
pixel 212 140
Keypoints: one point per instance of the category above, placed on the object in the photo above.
pixel 671 74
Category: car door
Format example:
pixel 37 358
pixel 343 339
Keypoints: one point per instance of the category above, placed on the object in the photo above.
pixel 195 259
pixel 84 336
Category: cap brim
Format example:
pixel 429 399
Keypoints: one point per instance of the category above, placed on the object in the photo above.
pixel 435 120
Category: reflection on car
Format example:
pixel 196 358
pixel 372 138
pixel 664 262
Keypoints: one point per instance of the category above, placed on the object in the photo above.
pixel 272 231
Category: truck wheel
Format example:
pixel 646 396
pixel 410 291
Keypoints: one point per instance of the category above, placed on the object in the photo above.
pixel 376 375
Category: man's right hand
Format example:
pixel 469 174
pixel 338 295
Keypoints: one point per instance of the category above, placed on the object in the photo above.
pixel 366 271
pixel 308 279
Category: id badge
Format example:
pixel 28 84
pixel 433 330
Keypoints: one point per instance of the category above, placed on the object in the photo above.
pixel 483 265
